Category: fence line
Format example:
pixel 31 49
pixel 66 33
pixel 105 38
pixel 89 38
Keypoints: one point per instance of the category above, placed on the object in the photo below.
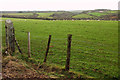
pixel 10 40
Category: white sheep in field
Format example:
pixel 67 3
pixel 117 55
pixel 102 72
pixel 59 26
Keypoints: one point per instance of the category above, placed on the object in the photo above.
pixel 87 20
pixel 1 20
pixel 73 20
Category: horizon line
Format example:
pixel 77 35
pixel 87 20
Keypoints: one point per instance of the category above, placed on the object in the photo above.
pixel 56 10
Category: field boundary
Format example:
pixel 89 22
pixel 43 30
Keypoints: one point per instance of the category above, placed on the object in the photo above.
pixel 11 40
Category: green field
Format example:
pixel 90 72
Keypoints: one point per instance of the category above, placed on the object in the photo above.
pixel 89 14
pixel 98 14
pixel 102 13
pixel 94 50
pixel 40 15
pixel 116 11
pixel 82 16
pixel 17 14
pixel 45 15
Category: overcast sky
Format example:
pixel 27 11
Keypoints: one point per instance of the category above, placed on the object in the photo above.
pixel 21 5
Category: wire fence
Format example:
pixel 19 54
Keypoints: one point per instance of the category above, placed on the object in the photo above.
pixel 86 55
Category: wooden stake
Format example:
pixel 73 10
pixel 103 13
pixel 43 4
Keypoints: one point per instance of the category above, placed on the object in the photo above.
pixel 18 46
pixel 9 36
pixel 13 49
pixel 47 48
pixel 68 53
pixel 16 41
pixel 6 36
pixel 29 49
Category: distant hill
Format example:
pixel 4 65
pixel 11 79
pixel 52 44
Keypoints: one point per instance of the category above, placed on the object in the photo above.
pixel 98 14
pixel 102 14
pixel 77 11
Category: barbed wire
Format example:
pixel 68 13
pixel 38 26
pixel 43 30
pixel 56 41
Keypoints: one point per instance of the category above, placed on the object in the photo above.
pixel 35 40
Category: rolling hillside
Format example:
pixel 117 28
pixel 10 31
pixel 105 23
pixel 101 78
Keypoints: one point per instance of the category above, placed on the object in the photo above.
pixel 101 14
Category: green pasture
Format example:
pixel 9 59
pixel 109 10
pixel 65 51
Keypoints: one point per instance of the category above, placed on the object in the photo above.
pixel 98 14
pixel 102 13
pixel 115 11
pixel 17 13
pixel 40 15
pixel 45 15
pixel 94 49
pixel 82 16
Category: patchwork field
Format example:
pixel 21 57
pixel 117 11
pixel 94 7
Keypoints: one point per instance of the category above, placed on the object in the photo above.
pixel 94 50
pixel 102 13
pixel 17 13
pixel 82 16
pixel 63 15
pixel 45 15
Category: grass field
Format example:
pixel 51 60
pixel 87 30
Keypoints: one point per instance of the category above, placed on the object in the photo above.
pixel 102 13
pixel 94 48
pixel 17 13
pixel 116 11
pixel 40 15
pixel 45 15
pixel 82 16
pixel 98 14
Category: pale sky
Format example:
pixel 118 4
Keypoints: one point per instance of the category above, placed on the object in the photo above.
pixel 42 5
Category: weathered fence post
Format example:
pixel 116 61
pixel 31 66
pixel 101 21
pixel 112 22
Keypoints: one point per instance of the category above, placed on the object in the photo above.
pixel 29 49
pixel 16 41
pixel 13 31
pixel 47 48
pixel 68 53
pixel 18 46
pixel 9 35
pixel 6 35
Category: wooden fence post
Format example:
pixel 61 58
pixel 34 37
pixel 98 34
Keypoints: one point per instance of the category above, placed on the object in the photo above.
pixel 18 46
pixel 16 41
pixel 13 39
pixel 29 49
pixel 68 53
pixel 6 35
pixel 9 35
pixel 47 48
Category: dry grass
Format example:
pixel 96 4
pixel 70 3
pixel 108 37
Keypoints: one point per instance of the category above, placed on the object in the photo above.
pixel 13 68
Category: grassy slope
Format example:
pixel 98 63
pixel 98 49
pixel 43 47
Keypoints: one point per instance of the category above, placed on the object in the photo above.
pixel 94 44
pixel 41 15
pixel 115 11
pixel 60 14
pixel 45 15
pixel 102 13
pixel 89 14
pixel 17 13
pixel 82 16
pixel 98 14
